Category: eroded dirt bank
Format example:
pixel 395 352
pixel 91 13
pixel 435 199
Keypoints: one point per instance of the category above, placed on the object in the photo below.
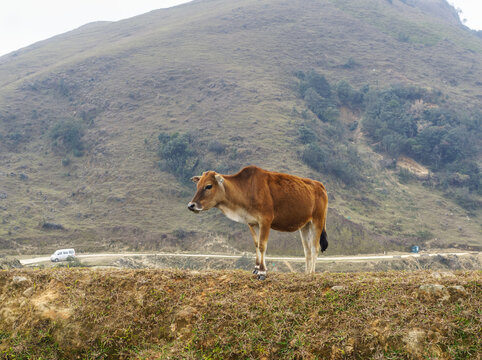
pixel 157 314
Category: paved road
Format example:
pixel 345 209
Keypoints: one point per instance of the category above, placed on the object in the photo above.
pixel 274 258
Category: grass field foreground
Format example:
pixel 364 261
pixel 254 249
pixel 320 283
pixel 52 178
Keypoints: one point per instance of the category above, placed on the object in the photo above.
pixel 159 314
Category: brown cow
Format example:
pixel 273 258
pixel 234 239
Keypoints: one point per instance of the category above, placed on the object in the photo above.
pixel 263 200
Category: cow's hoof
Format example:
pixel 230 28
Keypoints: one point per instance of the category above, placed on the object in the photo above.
pixel 255 271
pixel 261 277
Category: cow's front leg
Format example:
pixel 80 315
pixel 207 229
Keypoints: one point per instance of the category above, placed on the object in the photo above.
pixel 263 243
pixel 254 229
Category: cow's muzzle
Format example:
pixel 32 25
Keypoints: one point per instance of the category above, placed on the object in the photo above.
pixel 194 207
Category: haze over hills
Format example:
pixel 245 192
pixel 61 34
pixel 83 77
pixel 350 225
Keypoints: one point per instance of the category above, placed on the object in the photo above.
pixel 81 114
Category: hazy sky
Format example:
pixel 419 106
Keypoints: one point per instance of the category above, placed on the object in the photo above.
pixel 471 12
pixel 23 22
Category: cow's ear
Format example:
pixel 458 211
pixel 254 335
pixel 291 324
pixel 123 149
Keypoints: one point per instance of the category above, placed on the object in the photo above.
pixel 195 179
pixel 219 179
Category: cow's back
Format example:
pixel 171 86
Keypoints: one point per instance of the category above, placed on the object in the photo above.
pixel 295 200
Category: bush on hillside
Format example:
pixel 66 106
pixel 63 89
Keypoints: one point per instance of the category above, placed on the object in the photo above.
pixel 393 144
pixel 15 137
pixel 66 161
pixel 323 108
pixel 306 135
pixel 178 155
pixel 317 93
pixel 325 144
pixel 440 138
pixel 217 147
pixel 314 156
pixel 350 64
pixel 341 161
pixel 348 96
pixel 315 81
pixel 67 135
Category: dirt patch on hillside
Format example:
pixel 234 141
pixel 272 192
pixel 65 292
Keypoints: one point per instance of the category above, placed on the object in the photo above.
pixel 413 167
pixel 172 314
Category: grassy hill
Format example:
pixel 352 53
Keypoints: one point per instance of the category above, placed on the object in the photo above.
pixel 172 314
pixel 80 116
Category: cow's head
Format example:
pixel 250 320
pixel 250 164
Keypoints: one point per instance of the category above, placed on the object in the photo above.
pixel 210 191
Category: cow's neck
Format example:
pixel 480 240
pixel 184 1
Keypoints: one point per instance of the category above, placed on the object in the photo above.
pixel 232 205
pixel 230 200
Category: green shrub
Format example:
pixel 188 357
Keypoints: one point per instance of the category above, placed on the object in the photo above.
pixel 72 262
pixel 350 64
pixel 345 164
pixel 88 116
pixel 321 107
pixel 340 161
pixel 67 135
pixel 62 88
pixel 348 96
pixel 335 132
pixel 317 93
pixel 438 137
pixel 314 156
pixel 66 161
pixel 217 147
pixel 460 170
pixel 325 149
pixel 424 235
pixel 178 155
pixel 315 81
pixel 306 135
pixel 394 144
pixel 15 138
pixel 180 233
pixel 77 152
pixel 164 137
pixel 314 101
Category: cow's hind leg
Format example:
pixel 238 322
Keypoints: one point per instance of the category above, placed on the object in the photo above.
pixel 316 231
pixel 254 229
pixel 306 241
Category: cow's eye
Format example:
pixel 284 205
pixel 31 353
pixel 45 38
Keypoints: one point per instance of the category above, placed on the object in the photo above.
pixel 208 187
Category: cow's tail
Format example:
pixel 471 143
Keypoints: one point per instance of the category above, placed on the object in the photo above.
pixel 324 210
pixel 324 236
pixel 323 240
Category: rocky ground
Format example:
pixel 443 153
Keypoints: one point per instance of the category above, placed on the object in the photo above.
pixel 9 264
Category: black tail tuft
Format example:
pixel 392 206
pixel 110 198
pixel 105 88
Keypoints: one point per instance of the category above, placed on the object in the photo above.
pixel 323 241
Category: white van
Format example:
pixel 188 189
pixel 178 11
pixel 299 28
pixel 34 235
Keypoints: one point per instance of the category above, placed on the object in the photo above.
pixel 62 255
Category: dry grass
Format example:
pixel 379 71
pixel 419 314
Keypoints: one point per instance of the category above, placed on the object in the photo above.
pixel 159 314
pixel 224 71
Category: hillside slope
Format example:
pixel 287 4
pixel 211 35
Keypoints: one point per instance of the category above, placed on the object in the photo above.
pixel 155 314
pixel 223 72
